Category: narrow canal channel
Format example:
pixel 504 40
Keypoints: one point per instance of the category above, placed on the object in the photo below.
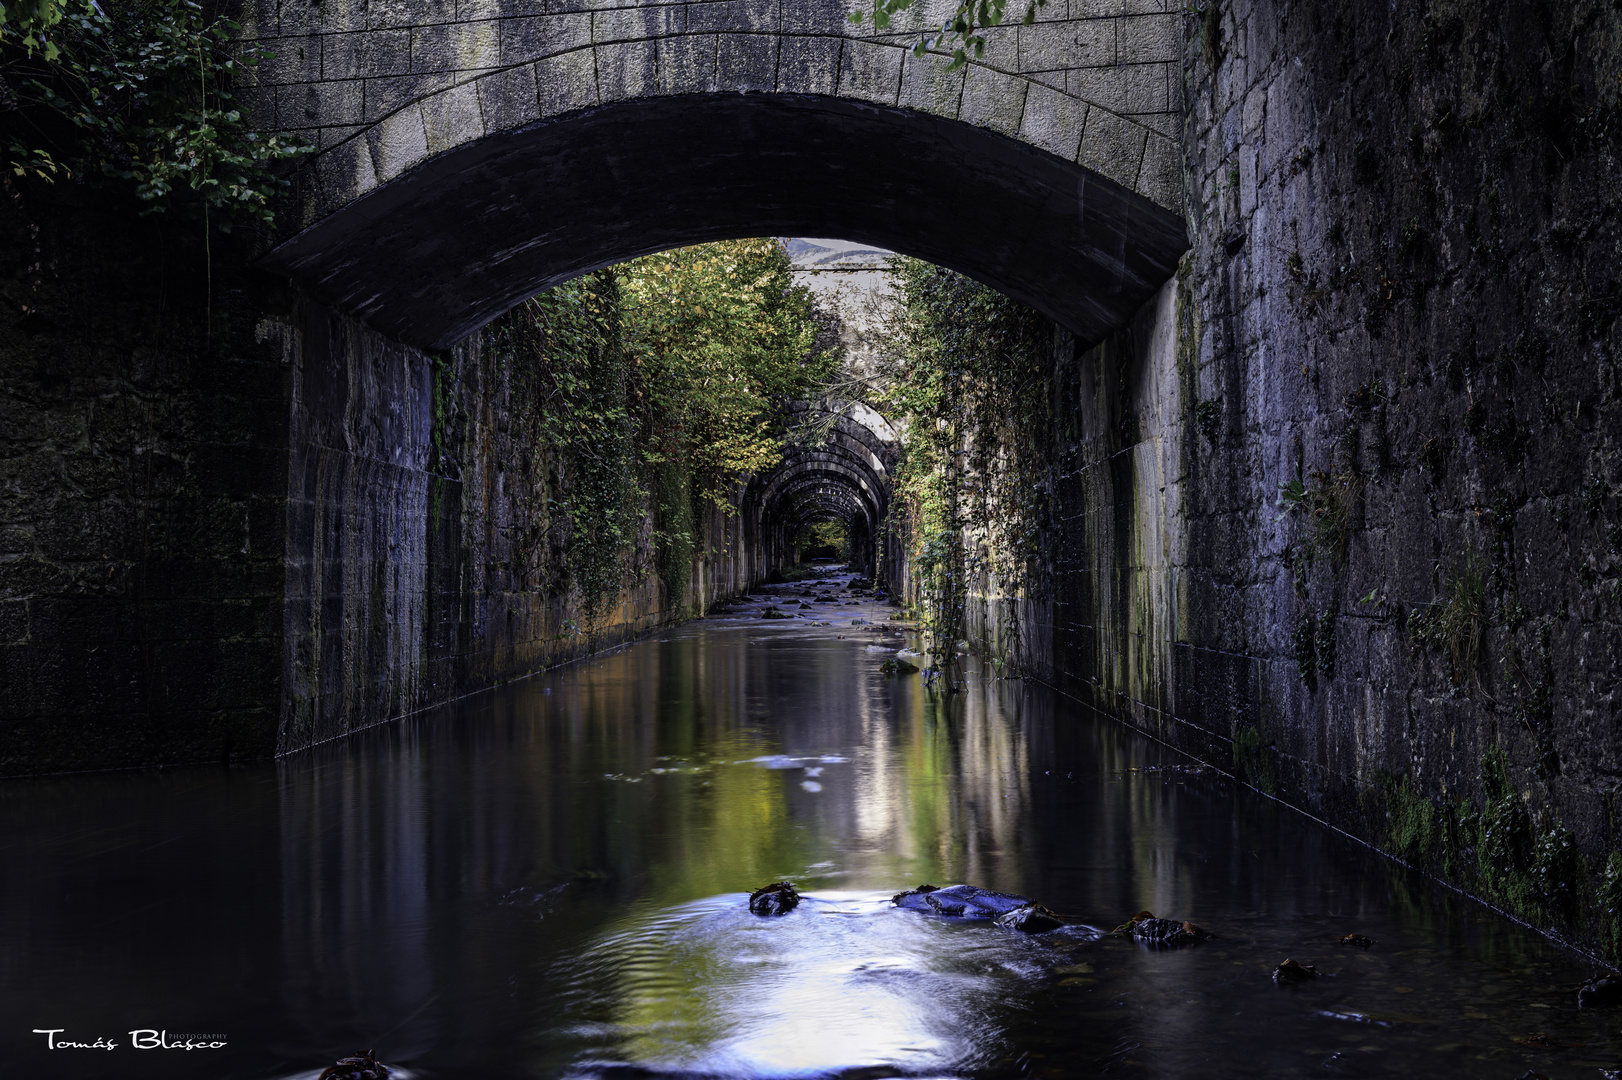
pixel 549 880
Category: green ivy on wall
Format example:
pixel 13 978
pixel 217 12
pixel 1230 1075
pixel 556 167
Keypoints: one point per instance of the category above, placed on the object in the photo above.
pixel 646 393
pixel 968 379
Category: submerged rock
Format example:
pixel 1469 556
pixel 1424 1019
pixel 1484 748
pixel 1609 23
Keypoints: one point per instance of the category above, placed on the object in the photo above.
pixel 778 898
pixel 1357 941
pixel 361 1066
pixel 897 666
pixel 1291 972
pixel 773 613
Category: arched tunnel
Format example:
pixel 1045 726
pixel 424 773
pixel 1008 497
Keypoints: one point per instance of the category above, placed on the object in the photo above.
pixel 841 474
pixel 1306 494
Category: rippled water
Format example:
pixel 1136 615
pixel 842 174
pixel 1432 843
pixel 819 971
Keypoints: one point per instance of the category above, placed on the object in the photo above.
pixel 549 881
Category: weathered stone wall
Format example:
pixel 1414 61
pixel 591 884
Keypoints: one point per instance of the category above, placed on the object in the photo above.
pixel 143 469
pixel 236 523
pixel 1402 293
pixel 425 556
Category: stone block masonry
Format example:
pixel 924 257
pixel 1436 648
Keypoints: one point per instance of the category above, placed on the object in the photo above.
pixel 1339 512
pixel 381 89
pixel 416 522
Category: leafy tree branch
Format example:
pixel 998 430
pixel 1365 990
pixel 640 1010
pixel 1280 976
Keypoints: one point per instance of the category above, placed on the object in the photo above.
pixel 136 93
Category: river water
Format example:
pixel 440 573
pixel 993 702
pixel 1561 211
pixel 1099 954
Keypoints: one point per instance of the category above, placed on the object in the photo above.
pixel 549 880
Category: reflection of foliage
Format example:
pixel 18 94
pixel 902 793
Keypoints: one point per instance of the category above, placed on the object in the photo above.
pixel 963 32
pixel 966 376
pixel 138 92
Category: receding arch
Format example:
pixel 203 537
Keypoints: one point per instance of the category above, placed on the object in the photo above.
pixel 451 243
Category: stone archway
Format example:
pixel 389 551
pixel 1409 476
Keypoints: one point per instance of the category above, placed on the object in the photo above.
pixel 467 161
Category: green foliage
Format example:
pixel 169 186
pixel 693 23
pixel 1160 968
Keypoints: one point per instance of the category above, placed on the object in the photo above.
pixel 138 93
pixel 675 526
pixel 1457 621
pixel 1304 648
pixel 579 416
pixel 649 389
pixel 963 32
pixel 1326 508
pixel 967 378
pixel 823 535
pixel 1537 876
pixel 1326 644
pixel 721 340
pixel 1208 418
pixel 1504 853
pixel 1610 904
pixel 1412 829
pixel 1559 874
pixel 32 24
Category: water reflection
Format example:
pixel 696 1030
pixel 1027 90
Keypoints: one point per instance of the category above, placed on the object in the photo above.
pixel 549 881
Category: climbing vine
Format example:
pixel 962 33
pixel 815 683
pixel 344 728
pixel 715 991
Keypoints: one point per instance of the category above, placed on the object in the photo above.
pixel 572 415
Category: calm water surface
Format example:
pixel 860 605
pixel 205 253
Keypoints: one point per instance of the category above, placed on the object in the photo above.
pixel 549 881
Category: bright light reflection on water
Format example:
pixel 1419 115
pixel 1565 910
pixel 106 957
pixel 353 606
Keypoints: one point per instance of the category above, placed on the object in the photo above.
pixel 843 981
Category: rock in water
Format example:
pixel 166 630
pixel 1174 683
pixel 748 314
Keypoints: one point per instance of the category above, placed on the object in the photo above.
pixel 1162 932
pixel 1357 941
pixel 778 898
pixel 362 1066
pixel 1290 972
pixel 1600 990
pixel 961 901
pixel 1030 919
pixel 913 899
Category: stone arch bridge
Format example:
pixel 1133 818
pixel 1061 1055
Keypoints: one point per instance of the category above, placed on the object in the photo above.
pixel 473 152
